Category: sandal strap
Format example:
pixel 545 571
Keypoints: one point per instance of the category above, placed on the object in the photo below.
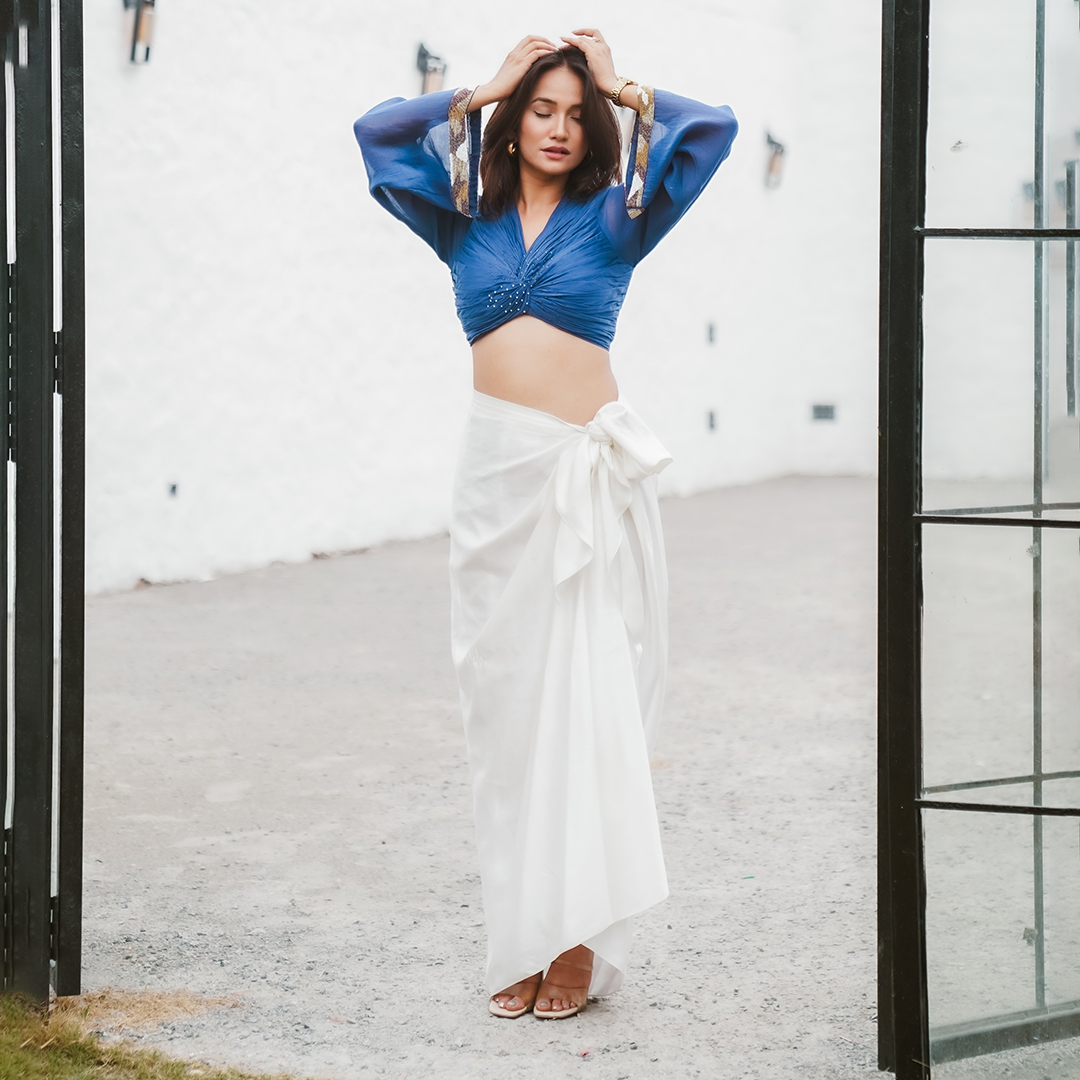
pixel 566 981
pixel 530 986
pixel 570 964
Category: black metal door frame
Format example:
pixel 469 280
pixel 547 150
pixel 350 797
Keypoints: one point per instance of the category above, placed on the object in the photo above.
pixel 44 358
pixel 906 1044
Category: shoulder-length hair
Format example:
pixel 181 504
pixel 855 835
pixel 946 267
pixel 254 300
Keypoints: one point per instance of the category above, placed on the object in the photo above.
pixel 499 169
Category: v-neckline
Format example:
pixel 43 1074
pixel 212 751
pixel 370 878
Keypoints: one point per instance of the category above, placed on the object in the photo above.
pixel 536 239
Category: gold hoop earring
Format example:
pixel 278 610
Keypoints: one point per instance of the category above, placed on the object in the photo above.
pixel 511 148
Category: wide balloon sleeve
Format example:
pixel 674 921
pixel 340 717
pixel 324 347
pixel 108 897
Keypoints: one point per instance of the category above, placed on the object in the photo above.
pixel 677 146
pixel 421 157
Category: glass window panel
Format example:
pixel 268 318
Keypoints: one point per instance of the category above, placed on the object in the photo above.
pixel 979 902
pixel 979 378
pixel 1062 102
pixel 979 140
pixel 978 386
pixel 976 657
pixel 1001 606
pixel 981 937
pixel 1061 875
pixel 978 662
pixel 1060 550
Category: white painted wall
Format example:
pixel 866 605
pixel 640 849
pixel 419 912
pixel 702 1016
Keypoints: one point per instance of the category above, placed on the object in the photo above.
pixel 262 335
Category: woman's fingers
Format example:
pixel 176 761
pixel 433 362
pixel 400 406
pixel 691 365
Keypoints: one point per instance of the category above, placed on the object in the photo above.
pixel 518 61
pixel 532 40
pixel 529 53
pixel 598 54
pixel 533 55
pixel 588 46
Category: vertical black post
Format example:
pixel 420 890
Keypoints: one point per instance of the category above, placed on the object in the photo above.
pixel 34 364
pixel 903 199
pixel 7 53
pixel 72 387
pixel 886 1051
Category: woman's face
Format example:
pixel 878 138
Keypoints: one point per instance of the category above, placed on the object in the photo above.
pixel 550 139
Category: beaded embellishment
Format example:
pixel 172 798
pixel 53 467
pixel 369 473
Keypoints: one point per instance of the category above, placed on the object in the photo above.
pixel 642 137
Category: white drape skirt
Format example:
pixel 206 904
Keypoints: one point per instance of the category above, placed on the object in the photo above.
pixel 559 637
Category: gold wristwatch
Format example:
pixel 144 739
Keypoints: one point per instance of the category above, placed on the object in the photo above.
pixel 618 88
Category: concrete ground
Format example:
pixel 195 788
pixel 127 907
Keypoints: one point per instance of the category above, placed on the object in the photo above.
pixel 278 808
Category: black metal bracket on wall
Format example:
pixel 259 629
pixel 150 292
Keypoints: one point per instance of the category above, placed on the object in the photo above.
pixel 42 290
pixel 904 1042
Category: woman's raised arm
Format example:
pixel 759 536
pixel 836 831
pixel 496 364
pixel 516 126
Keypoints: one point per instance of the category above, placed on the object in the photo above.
pixel 598 53
pixel 678 145
pixel 518 61
pixel 410 154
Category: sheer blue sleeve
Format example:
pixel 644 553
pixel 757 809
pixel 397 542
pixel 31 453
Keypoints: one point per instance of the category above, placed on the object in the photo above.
pixel 421 157
pixel 677 146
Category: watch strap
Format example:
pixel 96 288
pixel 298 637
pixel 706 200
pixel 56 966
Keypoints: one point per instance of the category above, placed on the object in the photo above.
pixel 618 88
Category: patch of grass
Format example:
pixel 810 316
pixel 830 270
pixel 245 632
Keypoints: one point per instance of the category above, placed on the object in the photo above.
pixel 111 1012
pixel 61 1045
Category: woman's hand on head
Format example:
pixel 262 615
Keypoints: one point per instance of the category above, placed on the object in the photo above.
pixel 513 70
pixel 598 54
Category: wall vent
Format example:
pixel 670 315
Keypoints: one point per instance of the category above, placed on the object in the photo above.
pixel 823 412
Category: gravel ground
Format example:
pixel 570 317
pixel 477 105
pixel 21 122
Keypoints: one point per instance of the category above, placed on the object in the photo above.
pixel 278 808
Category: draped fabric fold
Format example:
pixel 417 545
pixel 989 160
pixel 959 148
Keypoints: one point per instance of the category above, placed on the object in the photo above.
pixel 559 637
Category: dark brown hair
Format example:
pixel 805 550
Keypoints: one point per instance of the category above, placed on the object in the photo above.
pixel 499 169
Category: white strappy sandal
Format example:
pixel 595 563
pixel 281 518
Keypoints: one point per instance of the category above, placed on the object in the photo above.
pixel 562 1014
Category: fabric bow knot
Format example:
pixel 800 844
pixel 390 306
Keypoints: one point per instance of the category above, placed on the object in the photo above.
pixel 594 481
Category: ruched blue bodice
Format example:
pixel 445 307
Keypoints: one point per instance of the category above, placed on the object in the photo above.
pixel 421 167
pixel 571 277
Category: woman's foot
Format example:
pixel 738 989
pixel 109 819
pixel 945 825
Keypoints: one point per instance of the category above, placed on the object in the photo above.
pixel 516 1000
pixel 565 990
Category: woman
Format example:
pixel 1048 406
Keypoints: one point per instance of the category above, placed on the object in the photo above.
pixel 558 580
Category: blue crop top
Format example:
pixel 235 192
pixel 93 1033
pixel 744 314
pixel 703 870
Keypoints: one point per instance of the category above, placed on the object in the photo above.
pixel 422 158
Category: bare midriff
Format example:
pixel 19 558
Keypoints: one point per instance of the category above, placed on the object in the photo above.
pixel 530 362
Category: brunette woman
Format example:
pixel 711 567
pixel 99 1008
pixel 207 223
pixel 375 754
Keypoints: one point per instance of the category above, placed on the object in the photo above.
pixel 558 579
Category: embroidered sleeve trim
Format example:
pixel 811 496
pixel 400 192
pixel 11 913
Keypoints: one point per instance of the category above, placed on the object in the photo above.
pixel 464 153
pixel 642 138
